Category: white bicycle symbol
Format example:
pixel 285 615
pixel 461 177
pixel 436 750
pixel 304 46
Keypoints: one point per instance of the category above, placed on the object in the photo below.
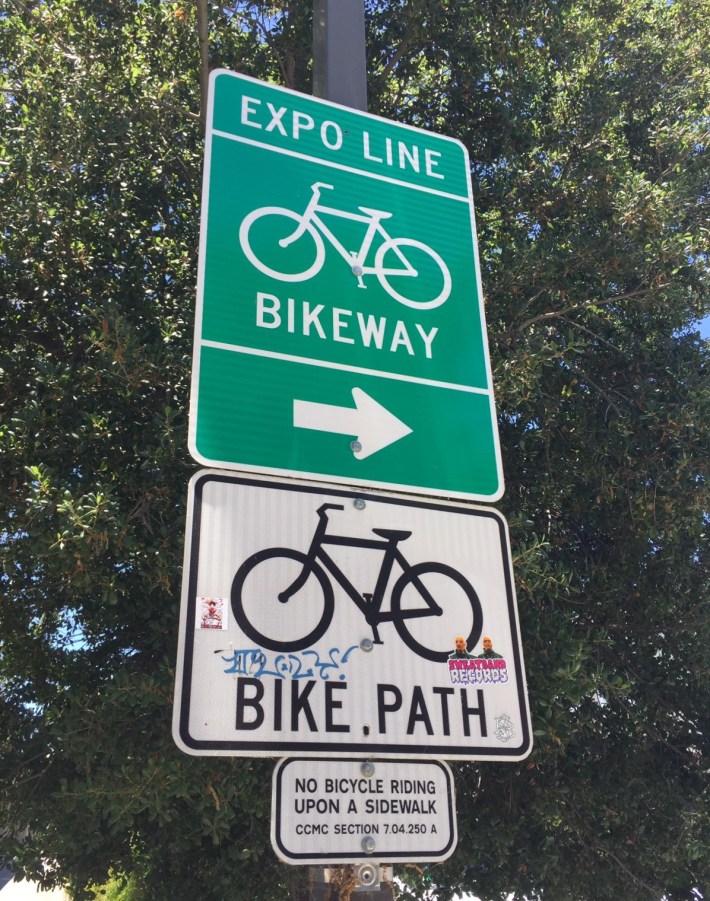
pixel 391 264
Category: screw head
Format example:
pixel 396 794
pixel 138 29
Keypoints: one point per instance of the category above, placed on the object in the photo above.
pixel 359 503
pixel 368 844
pixel 355 446
pixel 366 645
pixel 357 270
pixel 367 768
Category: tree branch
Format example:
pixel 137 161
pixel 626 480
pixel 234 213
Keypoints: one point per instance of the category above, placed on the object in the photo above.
pixel 560 314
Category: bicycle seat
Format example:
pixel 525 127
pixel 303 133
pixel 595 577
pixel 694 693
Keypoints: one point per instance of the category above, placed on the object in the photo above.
pixel 379 214
pixel 392 534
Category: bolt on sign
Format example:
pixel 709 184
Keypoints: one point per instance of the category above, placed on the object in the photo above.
pixel 339 810
pixel 340 332
pixel 319 621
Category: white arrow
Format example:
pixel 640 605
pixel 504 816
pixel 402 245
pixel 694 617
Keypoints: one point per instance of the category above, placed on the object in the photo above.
pixel 373 425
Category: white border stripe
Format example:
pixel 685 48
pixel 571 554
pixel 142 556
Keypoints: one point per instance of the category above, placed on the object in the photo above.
pixel 333 165
pixel 325 364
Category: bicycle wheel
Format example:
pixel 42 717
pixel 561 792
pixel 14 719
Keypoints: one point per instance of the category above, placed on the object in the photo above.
pixel 264 236
pixel 420 271
pixel 290 625
pixel 460 610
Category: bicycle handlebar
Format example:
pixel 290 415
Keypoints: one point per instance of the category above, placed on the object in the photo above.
pixel 323 507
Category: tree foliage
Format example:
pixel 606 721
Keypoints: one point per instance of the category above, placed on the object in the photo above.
pixel 587 131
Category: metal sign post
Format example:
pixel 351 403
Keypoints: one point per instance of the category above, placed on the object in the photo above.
pixel 339 68
pixel 340 337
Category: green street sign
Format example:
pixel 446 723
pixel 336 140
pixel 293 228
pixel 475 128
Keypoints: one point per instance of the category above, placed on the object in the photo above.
pixel 340 331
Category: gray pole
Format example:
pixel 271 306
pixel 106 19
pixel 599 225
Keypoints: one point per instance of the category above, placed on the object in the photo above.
pixel 339 70
pixel 340 75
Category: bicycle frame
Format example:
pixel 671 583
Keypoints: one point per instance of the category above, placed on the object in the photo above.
pixel 373 221
pixel 368 604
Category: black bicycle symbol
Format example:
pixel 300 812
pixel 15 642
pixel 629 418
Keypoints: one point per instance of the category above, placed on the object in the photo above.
pixel 410 599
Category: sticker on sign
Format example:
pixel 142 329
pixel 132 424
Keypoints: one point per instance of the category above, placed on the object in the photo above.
pixel 345 810
pixel 362 622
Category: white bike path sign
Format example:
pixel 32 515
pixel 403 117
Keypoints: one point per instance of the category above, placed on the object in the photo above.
pixel 321 621
pixel 339 331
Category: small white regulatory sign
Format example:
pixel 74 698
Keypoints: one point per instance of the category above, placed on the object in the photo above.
pixel 342 810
